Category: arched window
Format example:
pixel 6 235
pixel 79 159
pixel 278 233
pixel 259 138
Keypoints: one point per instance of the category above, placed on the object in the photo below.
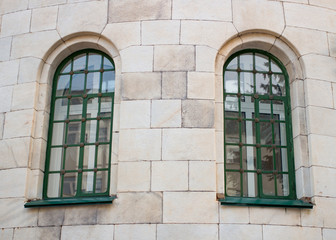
pixel 258 142
pixel 80 130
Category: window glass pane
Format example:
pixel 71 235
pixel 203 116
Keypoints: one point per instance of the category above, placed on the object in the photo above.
pixel 283 184
pixel 103 156
pixel 101 181
pixel 94 61
pixel 74 130
pixel 275 67
pixel 231 131
pixel 56 156
pixel 280 134
pixel 250 187
pixel 278 85
pixel 90 131
pixel 246 61
pixel 89 157
pixel 231 82
pixel 108 84
pixel 58 134
pixel 246 83
pixel 71 158
pixel 265 109
pixel 76 108
pixel 77 84
pixel 63 85
pixel 233 184
pixel 233 64
pixel 70 184
pixel 87 182
pixel 266 133
pixel 61 107
pixel 107 64
pixel 279 110
pixel 231 103
pixel 268 184
pixel 249 158
pixel 262 84
pixel 232 157
pixel 92 107
pixel 54 185
pixel 261 62
pixel 67 67
pixel 104 130
pixel 281 159
pixel 93 82
pixel 106 106
pixel 266 159
pixel 79 62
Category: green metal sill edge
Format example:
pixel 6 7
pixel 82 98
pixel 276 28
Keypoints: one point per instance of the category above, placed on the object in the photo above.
pixel 70 201
pixel 265 202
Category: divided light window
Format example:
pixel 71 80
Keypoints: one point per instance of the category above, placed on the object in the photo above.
pixel 80 131
pixel 257 128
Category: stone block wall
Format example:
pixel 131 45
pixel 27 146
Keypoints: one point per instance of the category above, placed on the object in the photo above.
pixel 167 163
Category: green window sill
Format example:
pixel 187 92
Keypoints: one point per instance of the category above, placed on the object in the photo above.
pixel 70 201
pixel 257 202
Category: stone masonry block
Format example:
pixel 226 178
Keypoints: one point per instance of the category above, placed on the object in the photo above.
pixel 123 34
pixel 140 144
pixel 7 6
pixel 240 231
pixel 218 10
pixel 88 17
pixel 29 69
pixel 13 182
pixel 319 67
pixel 19 123
pixel 321 121
pixel 299 122
pixel 187 231
pixel 53 233
pixel 141 86
pixel 332 44
pixel 87 232
pixel 301 151
pixel 170 176
pixel 324 3
pixel 199 142
pixel 279 216
pixel 322 150
pixel 81 215
pixel 174 58
pixel 166 113
pixel 236 214
pixel 24 96
pixel 5 47
pixel 205 59
pixel 137 59
pixel 6 98
pixel 6 233
pixel 202 33
pixel 198 113
pixel 286 232
pixel 44 3
pixel 318 93
pixel 133 176
pixel 322 185
pixel 219 122
pixel 132 208
pixel 135 114
pixel 51 216
pixel 201 85
pixel 329 234
pixel 15 151
pixel 136 232
pixel 190 207
pixel 160 32
pixel 124 11
pixel 2 123
pixel 15 23
pixel 202 176
pixel 174 85
pixel 9 72
pixel 44 19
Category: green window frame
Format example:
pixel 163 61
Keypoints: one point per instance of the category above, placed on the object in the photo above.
pixel 79 146
pixel 258 140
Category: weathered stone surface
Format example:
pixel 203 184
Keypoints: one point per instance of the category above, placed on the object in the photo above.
pixel 196 9
pixel 137 59
pixel 219 147
pixel 219 123
pixel 24 96
pixel 297 93
pixel 15 151
pixel 320 121
pixel 299 121
pixel 18 123
pixel 87 17
pixel 134 176
pixel 135 114
pixel 202 33
pixel 7 6
pixel 44 3
pixel 240 231
pixel 307 16
pixel 125 11
pixel 141 86
pixel 5 47
pixel 269 17
pixel 44 19
pixel 174 85
pixel 80 215
pixel 181 207
pixel 318 93
pixel 234 214
pixel 135 232
pixel 198 113
pixel 15 23
pixel 6 233
pixel 329 234
pixel 322 150
pixel 9 72
pixel 132 208
pixel 13 214
pixel 301 151
pixel 13 182
pixel 199 142
pixel 51 216
pixel 280 216
pixel 6 98
pixel 87 232
pixel 322 186
pixel 123 35
pixel 201 85
pixel 169 176
pixel 29 69
pixel 2 123
pixel 174 58
pixel 52 233
pixel 332 44
pixel 187 231
pixel 166 113
pixel 160 32
pixel 140 144
pixel 202 176
pixel 287 232
pixel 205 59
pixel 319 67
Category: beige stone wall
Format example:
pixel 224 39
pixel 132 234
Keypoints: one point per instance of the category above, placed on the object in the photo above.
pixel 167 164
